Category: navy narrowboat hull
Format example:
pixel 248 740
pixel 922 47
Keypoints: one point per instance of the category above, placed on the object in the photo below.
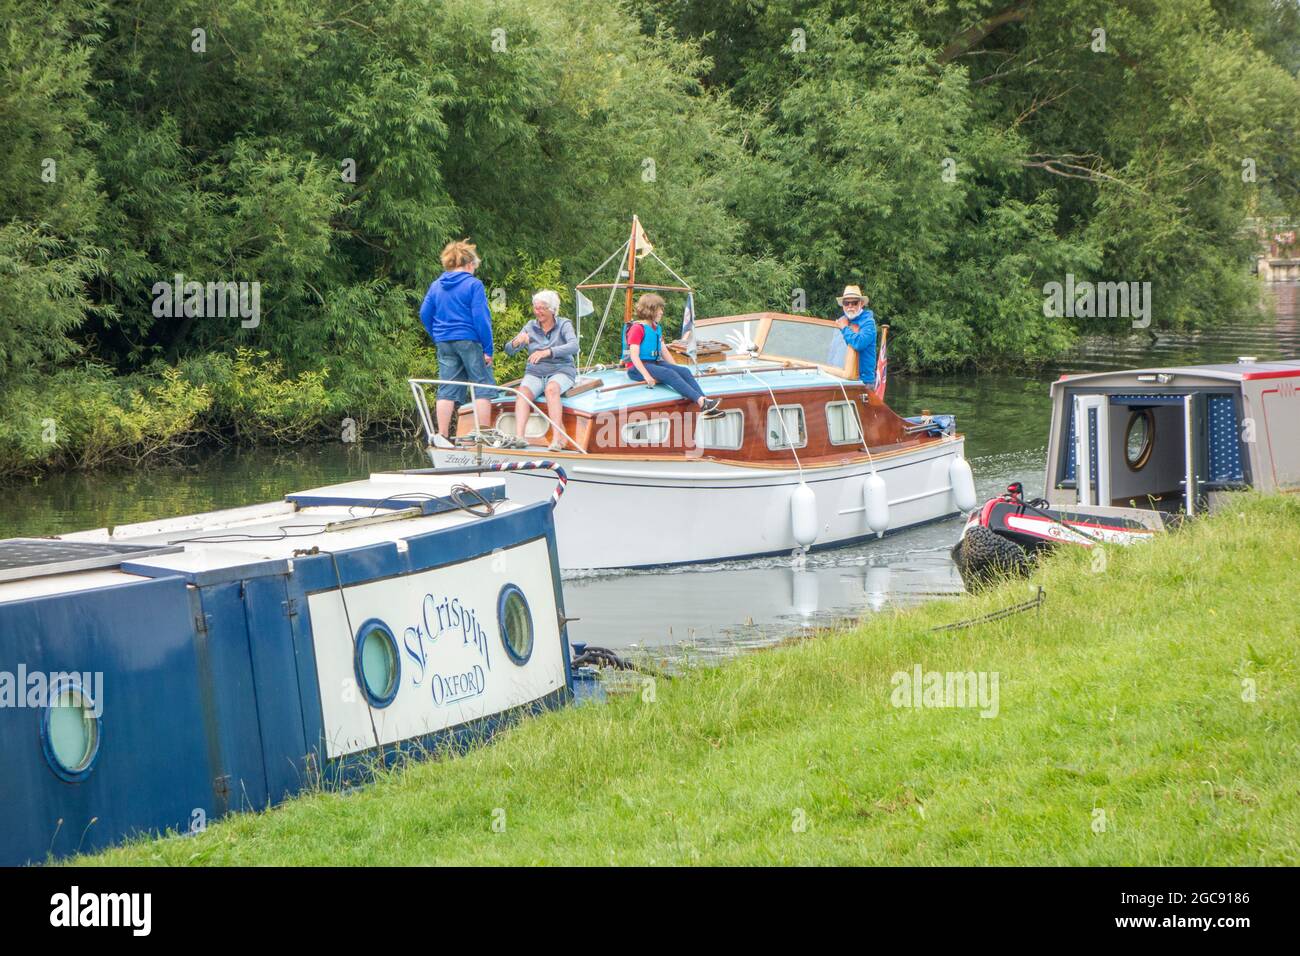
pixel 236 687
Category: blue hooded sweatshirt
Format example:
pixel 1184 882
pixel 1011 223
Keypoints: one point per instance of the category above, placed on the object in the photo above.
pixel 860 336
pixel 456 309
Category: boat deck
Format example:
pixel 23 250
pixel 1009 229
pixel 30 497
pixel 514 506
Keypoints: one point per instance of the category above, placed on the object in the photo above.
pixel 259 539
pixel 735 376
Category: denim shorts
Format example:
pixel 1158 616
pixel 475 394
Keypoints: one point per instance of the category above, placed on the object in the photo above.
pixel 462 361
pixel 537 385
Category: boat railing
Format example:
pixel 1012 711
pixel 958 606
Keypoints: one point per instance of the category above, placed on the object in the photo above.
pixel 426 417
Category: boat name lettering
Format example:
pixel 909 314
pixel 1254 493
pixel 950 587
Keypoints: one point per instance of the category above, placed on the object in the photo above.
pixel 436 617
pixel 458 687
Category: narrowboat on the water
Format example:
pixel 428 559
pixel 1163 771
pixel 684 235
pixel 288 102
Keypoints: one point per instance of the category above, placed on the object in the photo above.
pixel 1132 453
pixel 157 676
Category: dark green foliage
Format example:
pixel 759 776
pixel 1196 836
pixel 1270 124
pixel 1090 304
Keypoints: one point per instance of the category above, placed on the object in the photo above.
pixel 48 201
pixel 327 150
pixel 1115 162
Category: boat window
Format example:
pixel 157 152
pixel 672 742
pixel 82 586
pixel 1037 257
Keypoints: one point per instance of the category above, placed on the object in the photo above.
pixel 536 427
pixel 842 423
pixel 516 622
pixel 70 731
pixel 786 427
pixel 806 341
pixel 653 431
pixel 378 666
pixel 1139 436
pixel 725 432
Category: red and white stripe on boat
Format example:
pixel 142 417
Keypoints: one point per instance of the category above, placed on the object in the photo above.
pixel 1058 530
pixel 560 484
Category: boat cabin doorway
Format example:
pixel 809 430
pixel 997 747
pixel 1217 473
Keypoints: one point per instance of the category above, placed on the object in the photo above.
pixel 1159 451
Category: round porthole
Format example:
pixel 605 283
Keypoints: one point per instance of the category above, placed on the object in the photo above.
pixel 516 622
pixel 378 666
pixel 1139 436
pixel 70 732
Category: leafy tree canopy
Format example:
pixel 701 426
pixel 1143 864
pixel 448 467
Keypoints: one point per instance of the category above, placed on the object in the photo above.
pixel 952 156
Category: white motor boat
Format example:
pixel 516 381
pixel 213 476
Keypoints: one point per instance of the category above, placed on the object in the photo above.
pixel 803 456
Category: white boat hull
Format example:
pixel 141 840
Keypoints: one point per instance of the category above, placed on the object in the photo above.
pixel 629 513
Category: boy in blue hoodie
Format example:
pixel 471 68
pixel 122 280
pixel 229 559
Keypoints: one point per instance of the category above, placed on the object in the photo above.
pixel 455 313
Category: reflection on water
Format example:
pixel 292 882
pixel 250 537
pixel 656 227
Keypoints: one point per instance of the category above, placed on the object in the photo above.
pixel 703 611
pixel 706 611
pixel 225 478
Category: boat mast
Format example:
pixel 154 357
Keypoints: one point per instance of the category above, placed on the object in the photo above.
pixel 631 270
pixel 637 239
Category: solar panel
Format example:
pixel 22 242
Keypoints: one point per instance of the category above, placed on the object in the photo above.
pixel 33 557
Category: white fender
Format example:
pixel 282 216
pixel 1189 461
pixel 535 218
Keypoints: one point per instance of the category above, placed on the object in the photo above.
pixel 875 501
pixel 803 515
pixel 963 484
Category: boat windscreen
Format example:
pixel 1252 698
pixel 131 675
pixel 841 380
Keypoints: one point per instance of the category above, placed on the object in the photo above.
pixel 806 341
pixel 739 336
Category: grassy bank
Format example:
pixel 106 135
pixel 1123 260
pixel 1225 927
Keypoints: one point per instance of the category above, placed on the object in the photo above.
pixel 1147 714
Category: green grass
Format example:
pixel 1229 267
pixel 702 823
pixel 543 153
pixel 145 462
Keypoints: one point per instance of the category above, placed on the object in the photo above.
pixel 1123 693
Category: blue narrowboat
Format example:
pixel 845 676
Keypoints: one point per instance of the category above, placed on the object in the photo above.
pixel 1134 452
pixel 157 676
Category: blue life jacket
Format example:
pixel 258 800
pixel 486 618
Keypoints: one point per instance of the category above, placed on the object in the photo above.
pixel 649 344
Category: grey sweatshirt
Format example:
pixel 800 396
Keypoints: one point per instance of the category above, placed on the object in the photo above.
pixel 562 341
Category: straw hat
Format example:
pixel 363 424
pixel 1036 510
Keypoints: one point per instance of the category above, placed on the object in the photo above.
pixel 852 292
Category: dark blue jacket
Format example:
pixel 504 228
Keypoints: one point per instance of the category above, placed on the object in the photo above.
pixel 456 309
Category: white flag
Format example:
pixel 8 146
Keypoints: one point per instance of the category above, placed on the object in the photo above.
pixel 584 305
pixel 642 241
pixel 688 325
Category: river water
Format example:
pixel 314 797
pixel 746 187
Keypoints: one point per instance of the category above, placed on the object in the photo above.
pixel 699 612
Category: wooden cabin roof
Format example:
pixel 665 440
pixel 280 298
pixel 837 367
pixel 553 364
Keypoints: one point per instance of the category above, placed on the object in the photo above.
pixel 738 373
pixel 721 379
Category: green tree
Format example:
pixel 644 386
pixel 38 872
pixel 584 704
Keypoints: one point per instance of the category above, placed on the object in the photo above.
pixel 48 182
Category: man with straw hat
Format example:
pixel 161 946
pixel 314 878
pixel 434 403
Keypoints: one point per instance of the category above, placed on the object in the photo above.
pixel 857 326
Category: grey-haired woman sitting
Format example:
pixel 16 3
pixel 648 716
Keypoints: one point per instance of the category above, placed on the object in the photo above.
pixel 552 365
